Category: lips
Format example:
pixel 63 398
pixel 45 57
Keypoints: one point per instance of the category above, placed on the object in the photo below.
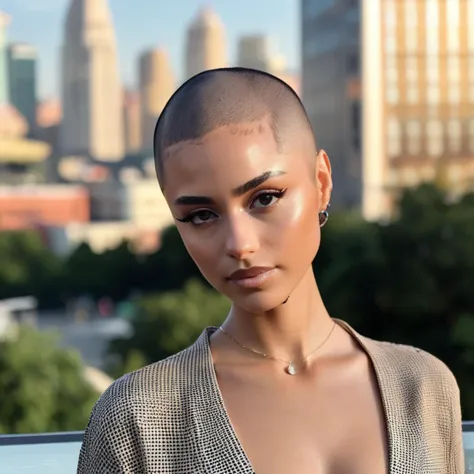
pixel 249 273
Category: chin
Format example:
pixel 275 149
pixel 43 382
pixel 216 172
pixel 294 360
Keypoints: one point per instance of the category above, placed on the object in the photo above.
pixel 259 302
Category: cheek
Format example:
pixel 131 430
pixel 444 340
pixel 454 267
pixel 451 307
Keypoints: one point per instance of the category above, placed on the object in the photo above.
pixel 297 227
pixel 198 247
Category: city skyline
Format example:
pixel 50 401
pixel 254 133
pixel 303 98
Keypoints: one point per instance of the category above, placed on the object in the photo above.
pixel 168 32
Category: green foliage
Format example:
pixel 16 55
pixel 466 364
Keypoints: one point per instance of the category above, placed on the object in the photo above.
pixel 410 281
pixel 42 388
pixel 169 322
pixel 27 267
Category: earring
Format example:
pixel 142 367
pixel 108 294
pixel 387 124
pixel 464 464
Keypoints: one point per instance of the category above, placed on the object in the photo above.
pixel 324 216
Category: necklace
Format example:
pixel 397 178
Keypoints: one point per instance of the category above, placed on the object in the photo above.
pixel 290 369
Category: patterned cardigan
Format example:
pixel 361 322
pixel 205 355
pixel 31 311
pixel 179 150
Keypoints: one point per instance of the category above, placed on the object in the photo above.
pixel 169 417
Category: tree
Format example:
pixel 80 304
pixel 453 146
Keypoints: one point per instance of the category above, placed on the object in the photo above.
pixel 170 267
pixel 169 322
pixel 42 388
pixel 409 281
pixel 27 266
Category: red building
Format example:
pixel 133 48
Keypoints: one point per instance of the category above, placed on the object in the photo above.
pixel 27 207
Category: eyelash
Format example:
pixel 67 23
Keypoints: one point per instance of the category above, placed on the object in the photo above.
pixel 277 193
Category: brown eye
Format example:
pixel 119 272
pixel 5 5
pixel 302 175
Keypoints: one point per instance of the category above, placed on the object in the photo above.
pixel 264 200
pixel 201 217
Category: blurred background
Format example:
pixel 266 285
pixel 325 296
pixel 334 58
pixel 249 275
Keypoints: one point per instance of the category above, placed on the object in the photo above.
pixel 94 279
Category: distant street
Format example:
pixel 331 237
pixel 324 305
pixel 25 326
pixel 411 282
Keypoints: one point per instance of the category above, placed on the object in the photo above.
pixel 90 338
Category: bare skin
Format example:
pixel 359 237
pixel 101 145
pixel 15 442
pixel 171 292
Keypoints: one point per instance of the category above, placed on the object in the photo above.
pixel 328 418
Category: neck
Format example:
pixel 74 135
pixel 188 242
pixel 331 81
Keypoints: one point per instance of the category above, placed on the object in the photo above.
pixel 289 332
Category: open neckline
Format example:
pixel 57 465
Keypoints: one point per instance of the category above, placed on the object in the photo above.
pixel 231 431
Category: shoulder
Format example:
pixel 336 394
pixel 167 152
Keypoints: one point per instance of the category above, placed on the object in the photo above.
pixel 413 367
pixel 157 383
pixel 404 363
pixel 137 407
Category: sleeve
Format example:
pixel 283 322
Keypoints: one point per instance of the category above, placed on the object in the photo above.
pixel 457 464
pixel 110 444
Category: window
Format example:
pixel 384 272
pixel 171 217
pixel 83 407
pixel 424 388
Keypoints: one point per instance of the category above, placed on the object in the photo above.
pixel 410 177
pixel 432 13
pixel 390 43
pixel 434 137
pixel 452 27
pixel 432 95
pixel 413 133
pixel 454 68
pixel 432 69
pixel 412 94
pixel 470 25
pixel 393 96
pixel 390 15
pixel 432 27
pixel 411 68
pixel 411 25
pixel 391 74
pixel 454 135
pixel 394 147
pixel 454 94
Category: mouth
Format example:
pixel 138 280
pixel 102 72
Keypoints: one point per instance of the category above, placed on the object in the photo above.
pixel 252 277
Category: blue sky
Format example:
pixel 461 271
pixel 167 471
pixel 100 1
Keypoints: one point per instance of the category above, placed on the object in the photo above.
pixel 141 24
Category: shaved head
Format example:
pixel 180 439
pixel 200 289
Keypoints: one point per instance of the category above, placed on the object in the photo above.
pixel 245 100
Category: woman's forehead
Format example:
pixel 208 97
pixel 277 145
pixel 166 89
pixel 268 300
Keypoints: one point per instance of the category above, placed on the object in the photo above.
pixel 223 151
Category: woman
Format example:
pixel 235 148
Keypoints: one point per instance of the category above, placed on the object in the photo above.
pixel 280 387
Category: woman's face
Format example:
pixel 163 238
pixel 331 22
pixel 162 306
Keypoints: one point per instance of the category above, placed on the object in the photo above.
pixel 239 204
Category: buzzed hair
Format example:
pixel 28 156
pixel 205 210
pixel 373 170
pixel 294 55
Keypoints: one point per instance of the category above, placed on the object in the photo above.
pixel 224 97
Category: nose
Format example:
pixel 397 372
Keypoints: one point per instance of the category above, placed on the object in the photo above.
pixel 242 237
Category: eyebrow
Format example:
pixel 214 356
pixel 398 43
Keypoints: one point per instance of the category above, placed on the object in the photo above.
pixel 238 191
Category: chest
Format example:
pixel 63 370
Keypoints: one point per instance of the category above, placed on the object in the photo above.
pixel 328 426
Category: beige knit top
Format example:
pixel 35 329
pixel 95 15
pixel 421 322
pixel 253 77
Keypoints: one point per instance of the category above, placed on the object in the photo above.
pixel 169 417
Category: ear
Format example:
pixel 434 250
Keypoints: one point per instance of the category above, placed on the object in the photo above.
pixel 324 179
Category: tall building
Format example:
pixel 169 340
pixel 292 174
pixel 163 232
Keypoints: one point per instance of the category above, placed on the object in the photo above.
pixel 91 87
pixel 132 122
pixel 330 74
pixel 157 84
pixel 256 52
pixel 22 59
pixel 253 51
pixel 4 22
pixel 410 63
pixel 206 45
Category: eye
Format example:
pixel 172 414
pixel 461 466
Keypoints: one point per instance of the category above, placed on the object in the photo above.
pixel 199 217
pixel 267 198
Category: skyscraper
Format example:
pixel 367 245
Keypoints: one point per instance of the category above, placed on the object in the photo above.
pixel 4 22
pixel 206 45
pixel 22 80
pixel 253 51
pixel 389 87
pixel 91 87
pixel 157 84
pixel 132 122
pixel 256 52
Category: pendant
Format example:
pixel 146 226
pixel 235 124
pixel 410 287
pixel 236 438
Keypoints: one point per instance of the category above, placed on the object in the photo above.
pixel 291 369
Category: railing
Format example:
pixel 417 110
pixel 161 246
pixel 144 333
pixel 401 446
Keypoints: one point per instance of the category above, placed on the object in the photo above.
pixel 57 453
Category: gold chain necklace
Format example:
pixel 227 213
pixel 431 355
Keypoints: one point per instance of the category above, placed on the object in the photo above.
pixel 290 369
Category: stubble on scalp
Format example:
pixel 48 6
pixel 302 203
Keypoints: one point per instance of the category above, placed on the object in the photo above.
pixel 245 101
